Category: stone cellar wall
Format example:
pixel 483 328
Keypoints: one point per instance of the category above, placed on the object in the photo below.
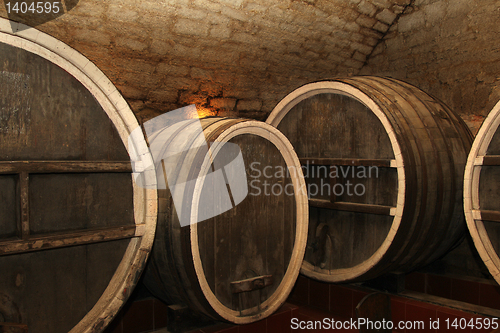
pixel 230 57
pixel 449 48
pixel 240 57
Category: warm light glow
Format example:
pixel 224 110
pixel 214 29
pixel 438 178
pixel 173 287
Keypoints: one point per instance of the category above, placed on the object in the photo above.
pixel 204 112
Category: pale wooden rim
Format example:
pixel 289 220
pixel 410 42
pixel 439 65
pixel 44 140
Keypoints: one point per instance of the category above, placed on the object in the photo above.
pixel 117 109
pixel 281 293
pixel 471 192
pixel 311 89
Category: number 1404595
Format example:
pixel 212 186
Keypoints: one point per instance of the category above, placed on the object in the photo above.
pixel 472 323
pixel 33 7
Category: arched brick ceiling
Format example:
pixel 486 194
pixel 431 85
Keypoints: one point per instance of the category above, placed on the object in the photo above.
pixel 232 57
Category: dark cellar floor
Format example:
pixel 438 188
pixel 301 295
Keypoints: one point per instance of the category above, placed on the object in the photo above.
pixel 311 300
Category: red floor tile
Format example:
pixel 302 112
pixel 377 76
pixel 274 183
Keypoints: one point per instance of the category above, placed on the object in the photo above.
pixel 341 301
pixel 287 307
pixel 300 292
pixel 257 327
pixel 398 309
pixel 222 328
pixel 357 296
pixel 415 282
pixel 420 312
pixel 234 329
pixel 312 313
pixel 465 291
pixel 139 317
pixel 447 317
pixel 279 322
pixel 319 295
pixel 489 296
pixel 438 286
pixel 160 314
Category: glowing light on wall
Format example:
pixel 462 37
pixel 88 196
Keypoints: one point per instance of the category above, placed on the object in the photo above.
pixel 203 112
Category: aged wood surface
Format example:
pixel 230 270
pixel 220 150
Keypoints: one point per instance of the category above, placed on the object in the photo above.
pixel 488 215
pixel 233 251
pixel 10 167
pixel 251 284
pixel 482 192
pixel 407 212
pixel 14 327
pixel 352 207
pixel 66 189
pixel 52 241
pixel 376 308
pixel 489 160
pixel 24 189
pixel 348 161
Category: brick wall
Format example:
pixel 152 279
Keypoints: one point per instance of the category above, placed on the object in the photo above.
pixel 231 57
pixel 240 57
pixel 449 48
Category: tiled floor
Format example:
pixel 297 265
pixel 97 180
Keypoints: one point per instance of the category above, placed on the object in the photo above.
pixel 140 316
pixel 404 310
pixel 280 322
pixel 313 301
pixel 474 291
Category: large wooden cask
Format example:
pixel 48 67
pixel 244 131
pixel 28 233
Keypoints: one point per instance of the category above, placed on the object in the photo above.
pixel 384 163
pixel 75 230
pixel 234 248
pixel 482 192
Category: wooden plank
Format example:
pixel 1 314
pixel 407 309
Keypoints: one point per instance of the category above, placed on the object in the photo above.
pixel 14 327
pixel 375 307
pixel 488 160
pixel 353 207
pixel 25 211
pixel 486 215
pixel 273 228
pixel 250 284
pixel 80 201
pixel 66 124
pixel 10 167
pixel 9 206
pixel 349 161
pixel 69 239
pixel 258 230
pixel 333 182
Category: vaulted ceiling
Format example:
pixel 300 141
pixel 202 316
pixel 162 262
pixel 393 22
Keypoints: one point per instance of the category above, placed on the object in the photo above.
pixel 169 53
pixel 240 57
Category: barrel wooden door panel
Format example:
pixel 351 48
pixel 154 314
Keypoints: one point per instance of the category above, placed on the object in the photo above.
pixel 355 184
pixel 71 219
pixel 383 162
pixel 482 192
pixel 241 264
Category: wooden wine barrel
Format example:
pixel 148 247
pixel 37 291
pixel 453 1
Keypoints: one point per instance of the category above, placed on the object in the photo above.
pixel 237 263
pixel 482 192
pixel 75 230
pixel 384 164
